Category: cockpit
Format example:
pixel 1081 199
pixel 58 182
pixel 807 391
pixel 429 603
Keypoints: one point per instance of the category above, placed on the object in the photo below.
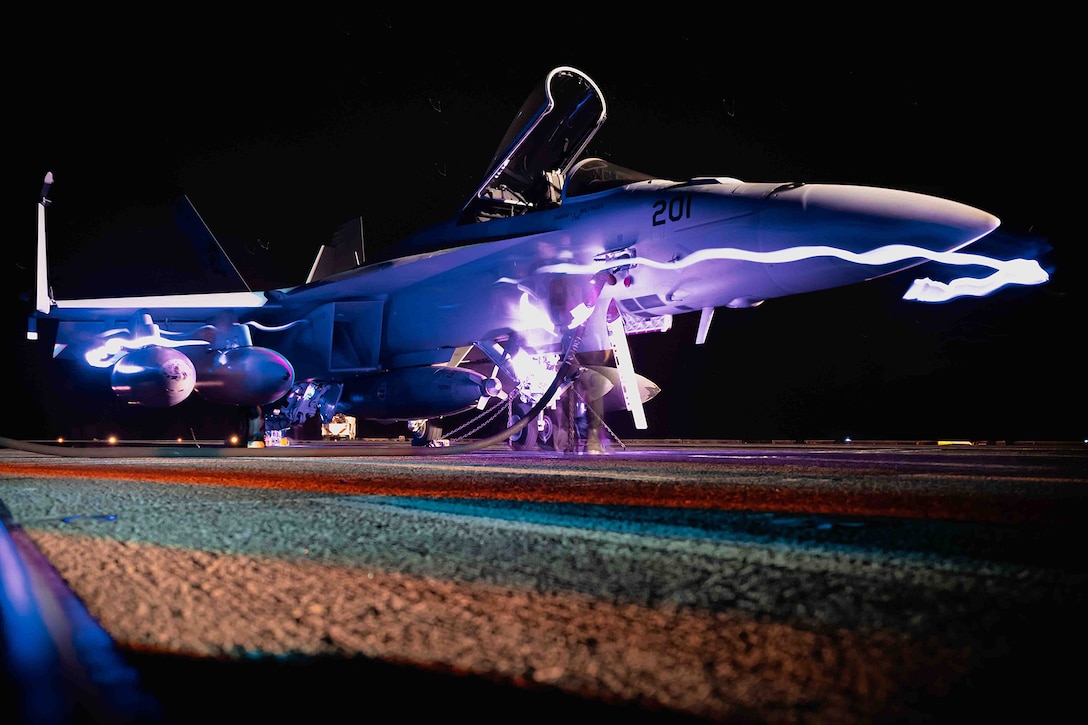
pixel 588 176
pixel 593 175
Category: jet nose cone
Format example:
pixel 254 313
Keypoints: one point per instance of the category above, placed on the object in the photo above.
pixel 847 234
pixel 929 221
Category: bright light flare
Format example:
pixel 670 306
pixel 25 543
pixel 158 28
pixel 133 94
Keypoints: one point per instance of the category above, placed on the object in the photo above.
pixel 531 316
pixel 580 314
pixel 522 364
pixel 534 372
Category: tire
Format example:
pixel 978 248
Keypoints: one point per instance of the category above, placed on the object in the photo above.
pixel 525 439
pixel 430 432
pixel 546 436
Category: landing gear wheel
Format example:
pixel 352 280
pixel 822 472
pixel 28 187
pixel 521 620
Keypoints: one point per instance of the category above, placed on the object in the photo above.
pixel 545 435
pixel 424 432
pixel 526 438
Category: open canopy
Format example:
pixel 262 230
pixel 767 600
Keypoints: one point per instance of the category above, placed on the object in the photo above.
pixel 553 127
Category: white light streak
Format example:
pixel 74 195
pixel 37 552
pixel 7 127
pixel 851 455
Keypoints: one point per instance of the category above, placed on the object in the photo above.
pixel 1015 271
pixel 113 349
pixel 272 328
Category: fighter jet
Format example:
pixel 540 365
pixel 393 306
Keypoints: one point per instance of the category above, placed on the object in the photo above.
pixel 540 276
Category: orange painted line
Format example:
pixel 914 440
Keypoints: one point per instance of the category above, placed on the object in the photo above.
pixel 721 495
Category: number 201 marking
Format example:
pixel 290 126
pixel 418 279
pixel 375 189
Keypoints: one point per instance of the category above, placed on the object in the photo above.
pixel 673 210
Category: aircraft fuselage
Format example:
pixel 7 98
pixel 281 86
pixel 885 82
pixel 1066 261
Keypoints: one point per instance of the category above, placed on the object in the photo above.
pixel 673 247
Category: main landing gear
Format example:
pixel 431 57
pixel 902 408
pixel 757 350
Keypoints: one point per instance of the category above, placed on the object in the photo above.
pixel 426 433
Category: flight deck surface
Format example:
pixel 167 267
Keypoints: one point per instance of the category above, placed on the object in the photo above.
pixel 665 581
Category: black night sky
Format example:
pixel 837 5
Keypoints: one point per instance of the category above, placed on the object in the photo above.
pixel 281 131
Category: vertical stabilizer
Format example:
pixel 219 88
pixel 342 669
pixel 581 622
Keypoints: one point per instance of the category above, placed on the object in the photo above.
pixel 344 252
pixel 42 296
